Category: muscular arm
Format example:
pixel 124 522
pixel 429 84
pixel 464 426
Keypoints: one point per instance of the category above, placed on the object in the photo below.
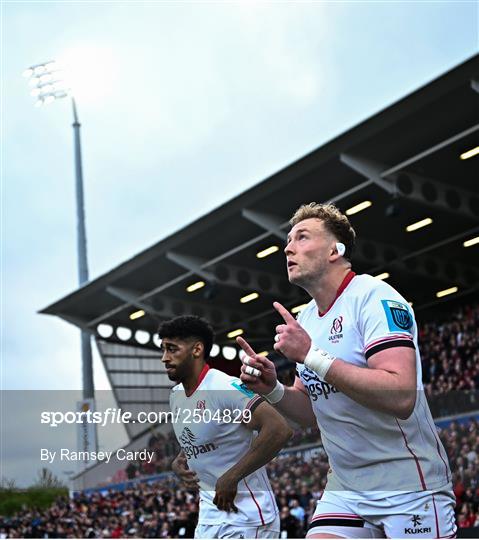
pixel 296 405
pixel 180 467
pixel 274 433
pixel 388 384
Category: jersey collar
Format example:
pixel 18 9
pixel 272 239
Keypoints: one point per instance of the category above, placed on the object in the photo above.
pixel 202 375
pixel 346 281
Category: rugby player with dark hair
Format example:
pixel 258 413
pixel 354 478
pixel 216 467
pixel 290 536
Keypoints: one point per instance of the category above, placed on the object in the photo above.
pixel 215 420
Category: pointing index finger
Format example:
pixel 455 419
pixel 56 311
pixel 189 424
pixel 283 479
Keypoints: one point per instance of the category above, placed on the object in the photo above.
pixel 287 317
pixel 245 346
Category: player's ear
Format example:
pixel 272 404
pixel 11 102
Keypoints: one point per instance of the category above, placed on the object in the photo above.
pixel 338 248
pixel 198 349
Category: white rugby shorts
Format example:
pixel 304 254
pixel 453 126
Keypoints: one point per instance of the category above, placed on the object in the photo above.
pixel 421 514
pixel 229 530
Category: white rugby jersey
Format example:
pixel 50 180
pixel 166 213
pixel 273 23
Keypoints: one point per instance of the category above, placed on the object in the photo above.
pixel 369 450
pixel 214 445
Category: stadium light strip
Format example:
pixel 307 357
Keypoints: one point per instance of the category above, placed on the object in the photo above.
pixel 249 297
pixel 235 333
pixel 419 224
pixel 445 292
pixel 471 242
pixel 470 153
pixel 297 309
pixel 268 251
pixel 358 208
pixel 384 275
pixel 195 286
pixel 263 353
pixel 137 314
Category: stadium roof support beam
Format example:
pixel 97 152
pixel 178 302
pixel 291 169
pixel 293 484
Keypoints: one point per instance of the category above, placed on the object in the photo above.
pixel 132 298
pixel 172 307
pixel 272 224
pixel 193 264
pixel 429 151
pixel 415 187
pixel 368 169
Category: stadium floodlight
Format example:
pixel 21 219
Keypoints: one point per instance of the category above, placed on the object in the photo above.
pixel 124 333
pixel 268 251
pixel 229 353
pixel 105 330
pixel 471 242
pixel 419 224
pixel 358 208
pixel 470 153
pixel 263 353
pixel 382 276
pixel 215 350
pixel 142 337
pixel 137 314
pixel 235 333
pixel 249 297
pixel 446 292
pixel 48 85
pixel 195 286
pixel 297 309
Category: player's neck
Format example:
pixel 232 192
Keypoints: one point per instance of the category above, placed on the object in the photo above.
pixel 326 289
pixel 192 381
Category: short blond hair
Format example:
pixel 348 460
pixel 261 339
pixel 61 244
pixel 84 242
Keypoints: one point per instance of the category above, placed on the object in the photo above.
pixel 334 221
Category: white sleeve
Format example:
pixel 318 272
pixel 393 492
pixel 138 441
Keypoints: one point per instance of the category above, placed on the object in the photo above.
pixel 238 396
pixel 385 319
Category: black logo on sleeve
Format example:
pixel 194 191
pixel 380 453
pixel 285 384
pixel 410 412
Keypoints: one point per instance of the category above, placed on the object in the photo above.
pixel 401 318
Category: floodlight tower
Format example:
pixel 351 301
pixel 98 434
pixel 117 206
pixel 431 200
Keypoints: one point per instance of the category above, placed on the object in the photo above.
pixel 48 86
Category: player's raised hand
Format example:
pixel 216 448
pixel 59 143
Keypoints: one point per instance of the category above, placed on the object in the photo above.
pixel 257 372
pixel 188 477
pixel 291 339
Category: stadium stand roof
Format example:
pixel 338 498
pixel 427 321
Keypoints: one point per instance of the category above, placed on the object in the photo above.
pixel 404 159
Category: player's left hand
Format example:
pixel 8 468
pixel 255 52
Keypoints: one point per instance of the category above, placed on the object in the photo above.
pixel 226 489
pixel 291 339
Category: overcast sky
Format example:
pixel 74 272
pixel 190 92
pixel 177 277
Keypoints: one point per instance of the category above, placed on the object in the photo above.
pixel 191 104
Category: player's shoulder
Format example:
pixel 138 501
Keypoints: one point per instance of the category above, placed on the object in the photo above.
pixel 366 286
pixel 215 376
pixel 221 381
pixel 217 380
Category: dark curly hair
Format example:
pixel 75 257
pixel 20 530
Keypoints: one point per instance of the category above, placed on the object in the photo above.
pixel 188 327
